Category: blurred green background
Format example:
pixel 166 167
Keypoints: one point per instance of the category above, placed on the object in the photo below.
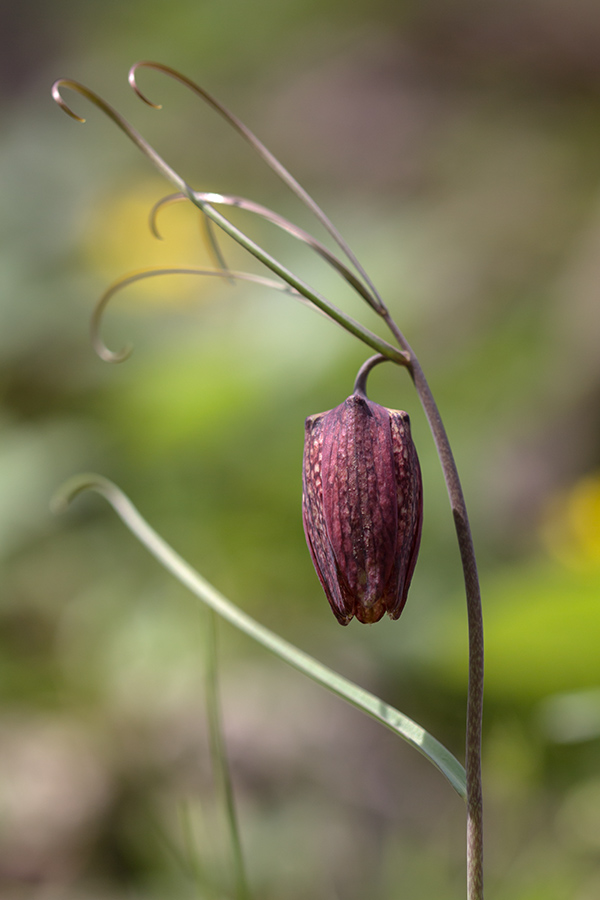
pixel 457 145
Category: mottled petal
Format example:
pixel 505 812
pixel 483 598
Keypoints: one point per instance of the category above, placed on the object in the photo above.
pixel 314 520
pixel 359 502
pixel 362 507
pixel 410 506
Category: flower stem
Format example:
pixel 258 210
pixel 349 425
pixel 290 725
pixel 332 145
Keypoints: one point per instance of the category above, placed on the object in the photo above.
pixel 360 383
pixel 220 761
pixel 474 617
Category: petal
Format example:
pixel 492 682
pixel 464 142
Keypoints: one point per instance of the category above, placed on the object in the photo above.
pixel 410 507
pixel 314 521
pixel 360 502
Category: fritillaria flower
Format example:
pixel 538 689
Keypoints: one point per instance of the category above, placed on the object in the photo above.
pixel 362 507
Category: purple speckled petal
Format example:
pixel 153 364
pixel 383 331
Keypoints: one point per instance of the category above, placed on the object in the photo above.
pixel 362 507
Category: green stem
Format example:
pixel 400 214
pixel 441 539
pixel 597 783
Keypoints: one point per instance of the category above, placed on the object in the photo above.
pixel 351 325
pixel 219 757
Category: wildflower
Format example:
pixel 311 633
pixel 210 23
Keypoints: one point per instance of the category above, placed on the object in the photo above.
pixel 362 507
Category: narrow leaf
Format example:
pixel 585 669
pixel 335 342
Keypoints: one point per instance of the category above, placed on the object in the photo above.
pixel 396 721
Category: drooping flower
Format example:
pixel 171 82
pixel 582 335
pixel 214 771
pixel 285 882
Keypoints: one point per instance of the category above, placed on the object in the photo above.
pixel 362 507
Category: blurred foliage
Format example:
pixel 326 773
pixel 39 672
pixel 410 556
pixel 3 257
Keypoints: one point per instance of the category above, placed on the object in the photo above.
pixel 457 147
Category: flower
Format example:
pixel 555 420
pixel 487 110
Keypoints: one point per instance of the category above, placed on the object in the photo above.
pixel 362 507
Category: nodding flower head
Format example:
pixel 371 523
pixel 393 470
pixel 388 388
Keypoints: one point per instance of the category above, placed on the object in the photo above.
pixel 362 507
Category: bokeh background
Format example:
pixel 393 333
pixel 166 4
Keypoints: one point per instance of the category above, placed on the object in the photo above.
pixel 457 145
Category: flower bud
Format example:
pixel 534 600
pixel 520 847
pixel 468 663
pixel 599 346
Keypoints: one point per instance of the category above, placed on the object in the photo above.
pixel 362 507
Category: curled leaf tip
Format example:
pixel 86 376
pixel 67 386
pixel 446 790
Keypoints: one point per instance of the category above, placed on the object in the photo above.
pixel 133 82
pixel 58 98
pixel 160 204
pixel 76 485
pixel 111 356
pixel 121 355
pixel 59 503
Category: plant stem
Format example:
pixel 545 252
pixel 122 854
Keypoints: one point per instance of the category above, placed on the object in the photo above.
pixel 457 502
pixel 474 617
pixel 219 758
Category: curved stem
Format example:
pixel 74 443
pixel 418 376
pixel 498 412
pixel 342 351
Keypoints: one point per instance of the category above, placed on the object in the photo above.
pixel 360 383
pixel 474 617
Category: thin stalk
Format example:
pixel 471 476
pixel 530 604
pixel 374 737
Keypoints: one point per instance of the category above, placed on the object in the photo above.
pixel 190 861
pixel 219 758
pixel 474 618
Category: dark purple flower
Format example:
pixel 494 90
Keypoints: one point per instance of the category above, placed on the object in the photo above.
pixel 362 507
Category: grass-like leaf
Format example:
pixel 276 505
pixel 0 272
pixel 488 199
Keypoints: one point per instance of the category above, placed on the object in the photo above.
pixel 270 216
pixel 387 715
pixel 119 356
pixel 314 297
pixel 271 160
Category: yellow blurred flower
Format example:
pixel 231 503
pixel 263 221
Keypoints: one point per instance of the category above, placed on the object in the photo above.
pixel 118 240
pixel 571 525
